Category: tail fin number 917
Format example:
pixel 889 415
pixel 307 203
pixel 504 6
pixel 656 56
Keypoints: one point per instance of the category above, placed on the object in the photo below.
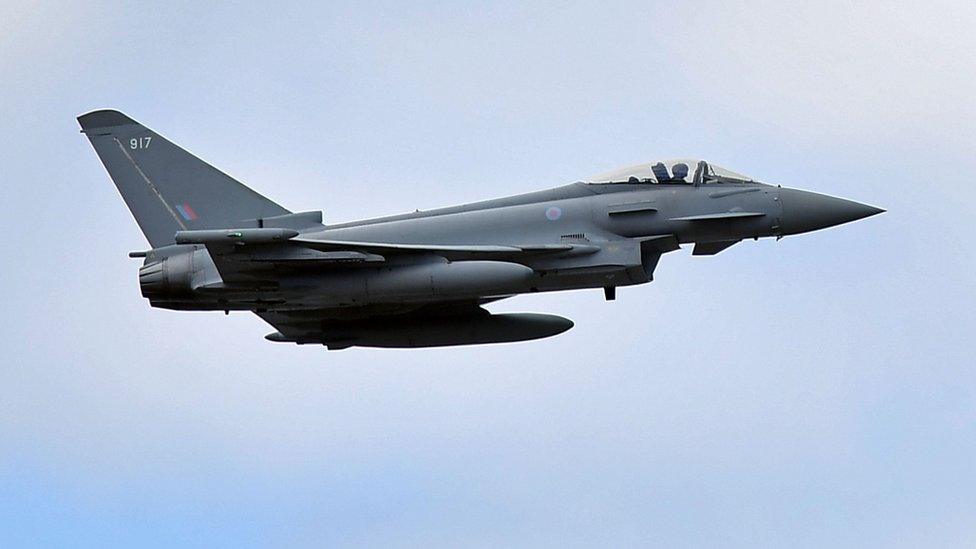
pixel 140 142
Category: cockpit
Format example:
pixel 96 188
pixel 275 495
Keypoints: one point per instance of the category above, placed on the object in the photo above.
pixel 676 171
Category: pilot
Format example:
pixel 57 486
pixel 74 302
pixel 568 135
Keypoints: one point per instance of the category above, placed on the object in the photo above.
pixel 680 171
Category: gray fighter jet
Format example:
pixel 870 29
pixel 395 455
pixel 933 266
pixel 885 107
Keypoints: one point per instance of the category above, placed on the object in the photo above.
pixel 421 279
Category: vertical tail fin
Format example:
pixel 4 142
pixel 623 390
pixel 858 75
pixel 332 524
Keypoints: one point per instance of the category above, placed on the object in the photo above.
pixel 166 188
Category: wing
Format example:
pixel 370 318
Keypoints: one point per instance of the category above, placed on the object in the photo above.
pixel 260 265
pixel 252 257
pixel 447 251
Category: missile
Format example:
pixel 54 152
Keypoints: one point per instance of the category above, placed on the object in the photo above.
pixel 234 236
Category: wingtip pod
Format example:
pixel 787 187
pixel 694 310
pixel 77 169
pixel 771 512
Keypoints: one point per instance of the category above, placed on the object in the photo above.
pixel 104 118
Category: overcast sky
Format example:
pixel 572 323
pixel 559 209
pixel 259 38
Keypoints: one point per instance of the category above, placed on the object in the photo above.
pixel 816 391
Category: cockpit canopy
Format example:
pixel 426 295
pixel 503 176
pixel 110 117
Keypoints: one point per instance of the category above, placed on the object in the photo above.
pixel 676 171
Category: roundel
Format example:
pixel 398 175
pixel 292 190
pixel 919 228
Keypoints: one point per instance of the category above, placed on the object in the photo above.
pixel 553 213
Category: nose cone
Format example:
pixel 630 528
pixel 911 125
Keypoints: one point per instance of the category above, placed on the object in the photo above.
pixel 804 211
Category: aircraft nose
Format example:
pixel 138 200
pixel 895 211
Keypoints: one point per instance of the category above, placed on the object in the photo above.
pixel 804 211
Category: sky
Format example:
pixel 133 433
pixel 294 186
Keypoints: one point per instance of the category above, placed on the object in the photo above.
pixel 815 391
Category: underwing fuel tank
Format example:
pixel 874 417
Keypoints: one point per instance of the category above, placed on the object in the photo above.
pixel 438 332
pixel 426 280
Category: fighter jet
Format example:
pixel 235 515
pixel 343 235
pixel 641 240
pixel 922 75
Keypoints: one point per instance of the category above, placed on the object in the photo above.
pixel 421 279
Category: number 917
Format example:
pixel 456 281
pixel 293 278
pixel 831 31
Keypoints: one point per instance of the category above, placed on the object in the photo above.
pixel 140 142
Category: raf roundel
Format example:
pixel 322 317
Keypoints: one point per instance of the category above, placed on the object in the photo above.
pixel 553 213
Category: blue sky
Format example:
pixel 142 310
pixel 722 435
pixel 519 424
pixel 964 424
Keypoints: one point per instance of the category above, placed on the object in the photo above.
pixel 816 391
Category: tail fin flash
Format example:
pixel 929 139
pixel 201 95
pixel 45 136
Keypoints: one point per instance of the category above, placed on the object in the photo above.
pixel 166 188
